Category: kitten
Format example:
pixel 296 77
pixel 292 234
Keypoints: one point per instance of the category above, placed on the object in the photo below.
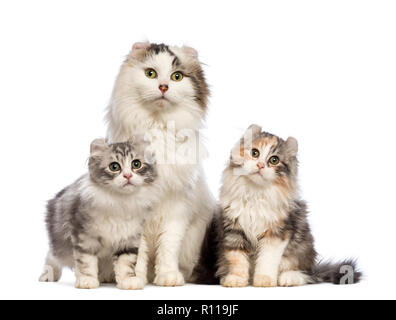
pixel 161 92
pixel 264 229
pixel 95 224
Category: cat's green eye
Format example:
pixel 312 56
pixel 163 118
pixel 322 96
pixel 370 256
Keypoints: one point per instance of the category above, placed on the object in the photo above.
pixel 177 76
pixel 115 167
pixel 151 73
pixel 274 160
pixel 136 164
pixel 255 153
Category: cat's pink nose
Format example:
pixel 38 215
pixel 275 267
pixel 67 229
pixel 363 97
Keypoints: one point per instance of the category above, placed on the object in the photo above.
pixel 260 165
pixel 128 176
pixel 163 88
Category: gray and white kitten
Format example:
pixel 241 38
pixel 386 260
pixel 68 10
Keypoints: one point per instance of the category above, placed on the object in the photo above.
pixel 264 232
pixel 95 224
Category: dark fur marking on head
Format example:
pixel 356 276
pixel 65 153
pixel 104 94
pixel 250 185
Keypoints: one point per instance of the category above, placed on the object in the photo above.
pixel 158 48
pixel 200 86
pixel 176 62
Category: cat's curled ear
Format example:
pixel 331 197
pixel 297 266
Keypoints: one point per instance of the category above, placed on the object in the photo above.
pixel 252 132
pixel 98 145
pixel 140 46
pixel 237 153
pixel 191 52
pixel 142 142
pixel 138 49
pixel 291 146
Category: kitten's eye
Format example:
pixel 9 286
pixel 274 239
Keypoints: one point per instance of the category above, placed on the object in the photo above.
pixel 177 76
pixel 136 164
pixel 274 160
pixel 151 73
pixel 115 167
pixel 255 153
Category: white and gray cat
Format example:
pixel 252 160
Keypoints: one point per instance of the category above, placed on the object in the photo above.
pixel 161 91
pixel 95 224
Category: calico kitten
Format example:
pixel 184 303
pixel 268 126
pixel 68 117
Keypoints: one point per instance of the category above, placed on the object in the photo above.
pixel 95 224
pixel 264 230
pixel 161 91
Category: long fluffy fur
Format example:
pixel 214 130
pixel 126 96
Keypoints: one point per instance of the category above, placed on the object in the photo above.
pixel 95 224
pixel 264 233
pixel 172 240
pixel 328 271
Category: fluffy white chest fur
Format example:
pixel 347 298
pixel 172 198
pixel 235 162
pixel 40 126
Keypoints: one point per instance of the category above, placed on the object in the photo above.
pixel 178 160
pixel 115 229
pixel 115 218
pixel 257 209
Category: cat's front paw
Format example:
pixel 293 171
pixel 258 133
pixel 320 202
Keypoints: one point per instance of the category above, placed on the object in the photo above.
pixel 50 274
pixel 292 279
pixel 131 283
pixel 85 282
pixel 49 277
pixel 234 281
pixel 169 279
pixel 261 280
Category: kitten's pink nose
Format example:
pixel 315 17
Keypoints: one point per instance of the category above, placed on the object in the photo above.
pixel 128 176
pixel 260 165
pixel 163 88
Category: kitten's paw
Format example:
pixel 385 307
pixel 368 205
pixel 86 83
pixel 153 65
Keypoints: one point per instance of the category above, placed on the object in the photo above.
pixel 50 274
pixel 169 279
pixel 132 283
pixel 85 282
pixel 234 281
pixel 292 279
pixel 47 277
pixel 261 281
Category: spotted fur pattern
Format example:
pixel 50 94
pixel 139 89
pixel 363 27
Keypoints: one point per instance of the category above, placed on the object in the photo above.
pixel 95 224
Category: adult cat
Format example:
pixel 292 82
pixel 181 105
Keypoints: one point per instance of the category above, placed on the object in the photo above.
pixel 161 92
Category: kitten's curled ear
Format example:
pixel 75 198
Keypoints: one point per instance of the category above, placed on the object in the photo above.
pixel 291 146
pixel 142 142
pixel 191 52
pixel 237 157
pixel 252 132
pixel 139 140
pixel 98 145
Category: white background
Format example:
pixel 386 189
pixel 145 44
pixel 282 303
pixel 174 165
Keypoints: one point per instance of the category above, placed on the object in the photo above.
pixel 322 71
